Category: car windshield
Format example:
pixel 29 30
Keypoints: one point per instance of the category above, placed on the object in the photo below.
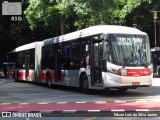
pixel 129 50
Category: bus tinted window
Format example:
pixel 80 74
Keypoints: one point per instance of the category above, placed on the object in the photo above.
pixel 65 59
pixel 66 49
pixel 48 57
pixel 75 50
pixel 20 60
pixel 75 54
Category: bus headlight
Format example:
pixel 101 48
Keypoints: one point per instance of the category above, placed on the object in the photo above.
pixel 114 71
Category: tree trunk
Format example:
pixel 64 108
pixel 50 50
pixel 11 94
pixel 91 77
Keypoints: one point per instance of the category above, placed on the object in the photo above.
pixel 62 27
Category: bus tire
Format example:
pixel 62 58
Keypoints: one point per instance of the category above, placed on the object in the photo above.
pixel 122 89
pixel 48 81
pixel 85 84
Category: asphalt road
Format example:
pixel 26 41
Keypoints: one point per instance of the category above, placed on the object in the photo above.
pixel 15 95
pixel 15 92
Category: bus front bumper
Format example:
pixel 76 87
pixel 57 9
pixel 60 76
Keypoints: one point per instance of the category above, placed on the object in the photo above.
pixel 112 80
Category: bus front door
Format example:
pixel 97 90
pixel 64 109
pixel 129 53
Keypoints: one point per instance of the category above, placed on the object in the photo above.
pixel 27 62
pixel 96 66
pixel 58 65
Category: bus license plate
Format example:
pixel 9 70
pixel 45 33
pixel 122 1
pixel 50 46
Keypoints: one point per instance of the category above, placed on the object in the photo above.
pixel 135 83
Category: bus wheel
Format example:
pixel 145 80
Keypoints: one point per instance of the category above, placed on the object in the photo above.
pixel 85 84
pixel 48 81
pixel 122 89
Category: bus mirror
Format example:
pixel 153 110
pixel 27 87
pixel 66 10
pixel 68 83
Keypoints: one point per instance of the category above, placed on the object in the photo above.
pixel 87 48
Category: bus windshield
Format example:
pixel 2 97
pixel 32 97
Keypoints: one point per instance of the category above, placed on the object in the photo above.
pixel 129 50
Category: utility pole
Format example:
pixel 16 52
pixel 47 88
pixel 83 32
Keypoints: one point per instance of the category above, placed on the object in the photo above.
pixel 155 30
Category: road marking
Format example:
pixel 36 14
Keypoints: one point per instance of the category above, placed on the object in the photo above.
pixel 142 109
pixel 100 102
pixel 81 102
pixel 117 110
pixel 72 107
pixel 43 103
pixel 94 110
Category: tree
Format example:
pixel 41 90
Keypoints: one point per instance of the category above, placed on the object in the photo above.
pixel 42 13
pixel 58 12
pixel 91 12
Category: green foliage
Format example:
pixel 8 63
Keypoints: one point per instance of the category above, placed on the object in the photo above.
pixel 86 13
pixel 37 12
pixel 48 18
pixel 141 17
pixel 63 16
pixel 91 12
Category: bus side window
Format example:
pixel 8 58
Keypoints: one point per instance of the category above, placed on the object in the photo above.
pixel 75 50
pixel 20 60
pixel 84 51
pixel 66 49
pixel 66 55
pixel 48 57
pixel 75 54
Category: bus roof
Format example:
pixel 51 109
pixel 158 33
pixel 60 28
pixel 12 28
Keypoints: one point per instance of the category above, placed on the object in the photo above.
pixel 155 49
pixel 99 29
pixel 24 47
